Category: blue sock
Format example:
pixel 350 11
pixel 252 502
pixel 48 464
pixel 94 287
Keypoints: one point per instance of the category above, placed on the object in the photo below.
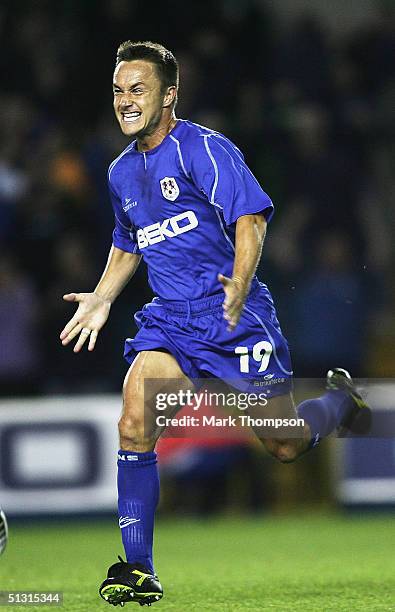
pixel 323 414
pixel 138 496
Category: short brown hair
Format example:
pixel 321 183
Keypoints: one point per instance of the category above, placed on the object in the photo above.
pixel 164 60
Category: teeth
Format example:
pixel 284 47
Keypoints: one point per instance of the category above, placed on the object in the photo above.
pixel 131 116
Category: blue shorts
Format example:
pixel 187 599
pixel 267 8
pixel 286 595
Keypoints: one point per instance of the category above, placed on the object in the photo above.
pixel 254 357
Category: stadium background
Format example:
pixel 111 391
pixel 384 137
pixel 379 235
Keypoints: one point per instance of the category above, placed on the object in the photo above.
pixel 306 91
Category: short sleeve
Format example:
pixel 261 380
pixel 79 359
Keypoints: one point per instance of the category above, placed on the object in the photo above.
pixel 219 170
pixel 123 236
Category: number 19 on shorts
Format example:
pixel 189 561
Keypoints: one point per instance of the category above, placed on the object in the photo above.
pixel 261 352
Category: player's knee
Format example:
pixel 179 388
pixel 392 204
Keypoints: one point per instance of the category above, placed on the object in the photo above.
pixel 286 453
pixel 130 427
pixel 134 434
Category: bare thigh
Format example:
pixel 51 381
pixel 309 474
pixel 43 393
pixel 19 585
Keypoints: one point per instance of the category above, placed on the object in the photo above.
pixel 152 372
pixel 284 443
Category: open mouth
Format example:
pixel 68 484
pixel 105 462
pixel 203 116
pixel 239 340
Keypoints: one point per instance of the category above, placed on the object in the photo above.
pixel 131 117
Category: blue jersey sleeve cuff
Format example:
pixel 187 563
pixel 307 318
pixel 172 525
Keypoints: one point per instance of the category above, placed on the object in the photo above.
pixel 126 245
pixel 267 211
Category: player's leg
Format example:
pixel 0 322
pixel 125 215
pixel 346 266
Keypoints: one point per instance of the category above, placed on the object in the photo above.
pixel 267 359
pixel 3 531
pixel 138 482
pixel 286 443
pixel 340 408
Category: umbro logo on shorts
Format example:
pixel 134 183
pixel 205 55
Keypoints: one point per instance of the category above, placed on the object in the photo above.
pixel 169 228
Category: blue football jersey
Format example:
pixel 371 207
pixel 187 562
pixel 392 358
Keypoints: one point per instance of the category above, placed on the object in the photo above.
pixel 177 205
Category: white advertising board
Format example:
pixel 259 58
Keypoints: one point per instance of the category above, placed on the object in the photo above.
pixel 58 455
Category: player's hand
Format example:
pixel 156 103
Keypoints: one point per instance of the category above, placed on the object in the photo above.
pixel 234 301
pixel 91 315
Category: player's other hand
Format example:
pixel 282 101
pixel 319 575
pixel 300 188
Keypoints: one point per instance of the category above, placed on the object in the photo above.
pixel 91 315
pixel 233 305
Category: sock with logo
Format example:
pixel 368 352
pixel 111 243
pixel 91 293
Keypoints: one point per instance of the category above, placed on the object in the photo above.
pixel 323 414
pixel 138 496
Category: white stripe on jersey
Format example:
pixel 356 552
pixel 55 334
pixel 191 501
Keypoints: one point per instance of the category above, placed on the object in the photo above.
pixel 228 142
pixel 212 200
pixel 224 232
pixel 116 160
pixel 174 139
pixel 123 225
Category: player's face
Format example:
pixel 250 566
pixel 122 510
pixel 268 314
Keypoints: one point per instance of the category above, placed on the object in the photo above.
pixel 138 97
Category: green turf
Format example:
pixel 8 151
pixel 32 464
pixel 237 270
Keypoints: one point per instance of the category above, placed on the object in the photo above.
pixel 304 564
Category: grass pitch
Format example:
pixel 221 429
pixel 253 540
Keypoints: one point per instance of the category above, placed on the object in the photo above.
pixel 271 563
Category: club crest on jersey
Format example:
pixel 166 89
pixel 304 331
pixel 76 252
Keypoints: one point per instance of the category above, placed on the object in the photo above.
pixel 170 189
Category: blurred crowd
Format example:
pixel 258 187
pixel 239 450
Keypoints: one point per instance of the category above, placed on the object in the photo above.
pixel 313 113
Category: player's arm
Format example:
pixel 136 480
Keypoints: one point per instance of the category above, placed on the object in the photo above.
pixel 250 234
pixel 218 169
pixel 94 308
pixel 120 268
